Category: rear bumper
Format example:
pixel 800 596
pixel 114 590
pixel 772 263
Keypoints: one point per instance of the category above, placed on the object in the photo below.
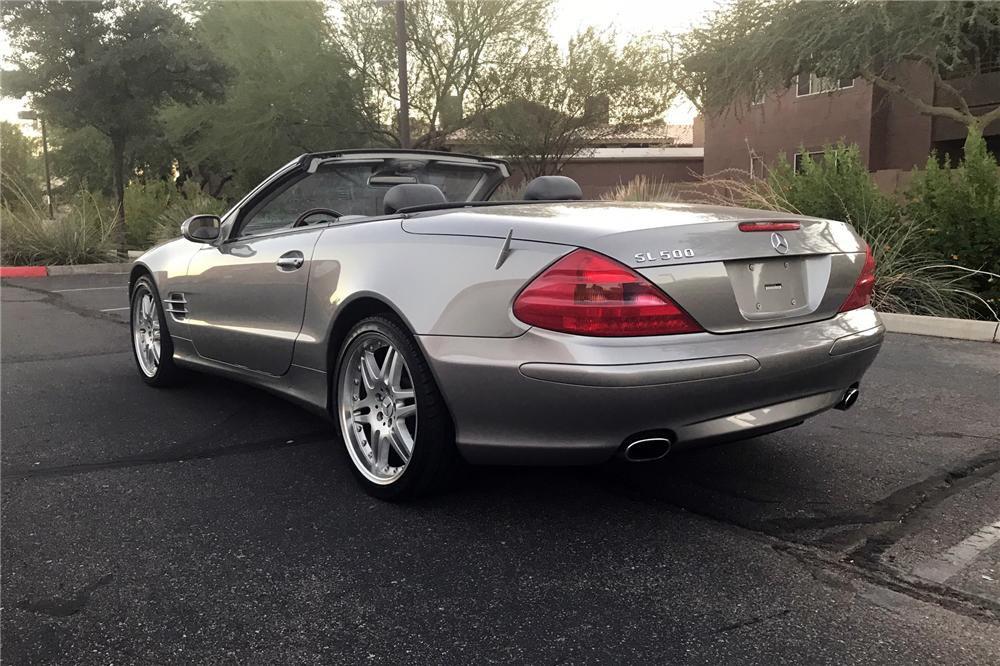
pixel 547 397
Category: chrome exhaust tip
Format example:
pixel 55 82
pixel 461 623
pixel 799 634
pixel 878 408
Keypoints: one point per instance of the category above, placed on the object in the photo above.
pixel 850 397
pixel 647 449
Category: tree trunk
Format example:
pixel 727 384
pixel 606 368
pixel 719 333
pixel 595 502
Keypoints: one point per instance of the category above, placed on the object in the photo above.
pixel 118 180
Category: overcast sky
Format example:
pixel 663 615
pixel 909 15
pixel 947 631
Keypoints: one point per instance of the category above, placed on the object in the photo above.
pixel 628 17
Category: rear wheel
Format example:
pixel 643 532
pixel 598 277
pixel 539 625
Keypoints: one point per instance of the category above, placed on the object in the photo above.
pixel 393 420
pixel 152 347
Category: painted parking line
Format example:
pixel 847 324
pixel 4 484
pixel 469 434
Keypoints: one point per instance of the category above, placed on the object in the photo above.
pixel 114 309
pixel 63 291
pixel 940 568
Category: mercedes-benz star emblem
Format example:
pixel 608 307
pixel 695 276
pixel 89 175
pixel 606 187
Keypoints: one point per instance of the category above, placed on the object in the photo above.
pixel 779 243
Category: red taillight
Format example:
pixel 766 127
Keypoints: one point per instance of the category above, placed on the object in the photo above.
pixel 589 294
pixel 769 226
pixel 861 295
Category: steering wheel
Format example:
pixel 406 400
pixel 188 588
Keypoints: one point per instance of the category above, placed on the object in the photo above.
pixel 301 220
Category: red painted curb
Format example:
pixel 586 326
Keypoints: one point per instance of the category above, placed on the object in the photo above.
pixel 23 271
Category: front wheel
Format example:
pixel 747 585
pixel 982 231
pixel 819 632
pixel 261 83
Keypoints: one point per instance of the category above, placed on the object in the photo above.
pixel 152 347
pixel 393 420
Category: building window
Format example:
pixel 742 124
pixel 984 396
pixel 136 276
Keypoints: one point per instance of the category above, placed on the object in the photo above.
pixel 813 85
pixel 756 166
pixel 799 160
pixel 823 158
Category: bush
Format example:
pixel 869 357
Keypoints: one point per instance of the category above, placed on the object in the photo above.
pixel 82 233
pixel 189 200
pixel 144 202
pixel 910 278
pixel 642 188
pixel 960 207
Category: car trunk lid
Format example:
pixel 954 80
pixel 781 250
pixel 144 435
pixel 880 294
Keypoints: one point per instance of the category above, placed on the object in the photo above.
pixel 728 279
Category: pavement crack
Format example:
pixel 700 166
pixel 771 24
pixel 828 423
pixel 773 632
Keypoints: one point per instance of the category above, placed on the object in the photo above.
pixel 165 457
pixel 910 508
pixel 56 300
pixel 65 606
pixel 749 622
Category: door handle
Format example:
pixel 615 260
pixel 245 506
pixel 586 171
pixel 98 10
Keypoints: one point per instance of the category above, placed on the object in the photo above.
pixel 290 261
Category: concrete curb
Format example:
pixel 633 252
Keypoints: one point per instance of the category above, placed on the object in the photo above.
pixel 942 327
pixel 90 269
pixel 79 269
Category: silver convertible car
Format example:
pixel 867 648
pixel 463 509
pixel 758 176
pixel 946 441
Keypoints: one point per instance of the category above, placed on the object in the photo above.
pixel 385 290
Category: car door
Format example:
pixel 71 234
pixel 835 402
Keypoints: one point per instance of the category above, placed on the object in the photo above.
pixel 247 294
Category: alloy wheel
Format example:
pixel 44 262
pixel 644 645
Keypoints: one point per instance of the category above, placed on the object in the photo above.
pixel 146 332
pixel 377 407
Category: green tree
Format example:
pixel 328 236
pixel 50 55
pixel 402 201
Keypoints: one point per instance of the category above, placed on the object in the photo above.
pixel 754 47
pixel 110 65
pixel 566 102
pixel 290 92
pixel 463 56
pixel 20 166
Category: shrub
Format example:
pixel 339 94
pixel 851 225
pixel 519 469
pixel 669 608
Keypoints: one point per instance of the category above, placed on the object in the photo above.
pixel 960 206
pixel 144 202
pixel 82 233
pixel 909 277
pixel 189 200
pixel 642 188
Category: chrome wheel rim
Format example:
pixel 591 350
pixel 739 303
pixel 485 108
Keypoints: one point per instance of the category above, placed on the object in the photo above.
pixel 146 332
pixel 378 408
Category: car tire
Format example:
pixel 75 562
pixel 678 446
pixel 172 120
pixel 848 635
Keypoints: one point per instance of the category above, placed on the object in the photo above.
pixel 434 460
pixel 145 308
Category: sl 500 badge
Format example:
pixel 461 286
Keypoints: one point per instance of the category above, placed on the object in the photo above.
pixel 663 255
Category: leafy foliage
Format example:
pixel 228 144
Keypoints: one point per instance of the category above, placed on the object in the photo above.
pixel 110 65
pixel 189 200
pixel 463 57
pixel 289 93
pixel 563 103
pixel 835 186
pixel 753 47
pixel 20 166
pixel 961 207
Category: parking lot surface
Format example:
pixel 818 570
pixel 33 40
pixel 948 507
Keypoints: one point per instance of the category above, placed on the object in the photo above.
pixel 215 523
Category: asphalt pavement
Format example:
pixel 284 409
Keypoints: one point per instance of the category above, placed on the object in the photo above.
pixel 216 523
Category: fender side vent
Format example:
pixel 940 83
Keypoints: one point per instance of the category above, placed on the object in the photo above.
pixel 176 305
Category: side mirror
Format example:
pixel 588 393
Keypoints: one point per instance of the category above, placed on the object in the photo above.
pixel 201 228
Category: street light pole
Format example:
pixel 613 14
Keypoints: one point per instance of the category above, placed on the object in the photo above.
pixel 404 92
pixel 48 178
pixel 33 115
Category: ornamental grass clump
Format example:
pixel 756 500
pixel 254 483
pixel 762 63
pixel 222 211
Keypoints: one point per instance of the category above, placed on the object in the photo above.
pixel 81 233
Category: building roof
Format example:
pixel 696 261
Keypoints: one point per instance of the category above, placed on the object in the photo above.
pixel 648 135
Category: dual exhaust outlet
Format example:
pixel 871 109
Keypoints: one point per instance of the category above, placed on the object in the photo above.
pixel 647 448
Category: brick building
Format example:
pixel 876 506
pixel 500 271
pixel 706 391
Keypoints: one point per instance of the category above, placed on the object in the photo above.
pixel 890 133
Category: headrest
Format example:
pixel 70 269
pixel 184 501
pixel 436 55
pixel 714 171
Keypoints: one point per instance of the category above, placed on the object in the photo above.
pixel 409 195
pixel 553 188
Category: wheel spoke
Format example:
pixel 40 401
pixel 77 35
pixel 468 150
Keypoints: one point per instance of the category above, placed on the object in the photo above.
pixel 369 370
pixel 383 442
pixel 406 410
pixel 402 442
pixel 392 367
pixel 402 394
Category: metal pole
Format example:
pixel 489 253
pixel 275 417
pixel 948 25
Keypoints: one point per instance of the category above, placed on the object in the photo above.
pixel 404 92
pixel 48 178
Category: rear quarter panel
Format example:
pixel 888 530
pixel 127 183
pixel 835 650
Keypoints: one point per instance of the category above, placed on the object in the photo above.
pixel 438 284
